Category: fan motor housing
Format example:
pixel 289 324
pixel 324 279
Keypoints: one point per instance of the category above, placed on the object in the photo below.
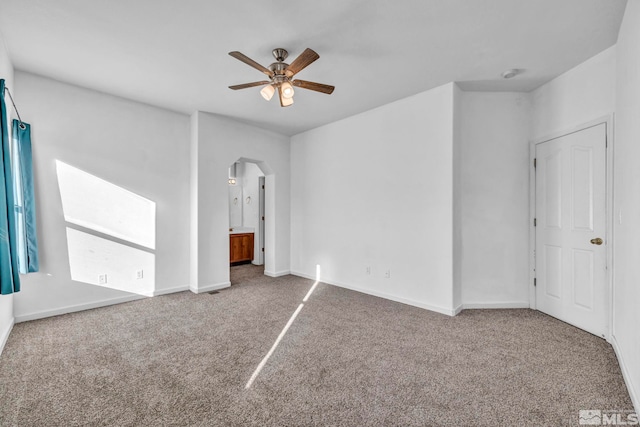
pixel 278 67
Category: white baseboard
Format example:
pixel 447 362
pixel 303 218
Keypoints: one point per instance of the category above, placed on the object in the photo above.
pixel 209 288
pixel 277 273
pixel 97 304
pixel 77 307
pixel 633 393
pixel 458 309
pixel 5 335
pixel 306 276
pixel 170 290
pixel 491 305
pixel 430 307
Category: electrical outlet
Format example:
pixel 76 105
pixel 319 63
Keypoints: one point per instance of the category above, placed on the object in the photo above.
pixel 368 270
pixel 139 274
pixel 387 274
pixel 102 279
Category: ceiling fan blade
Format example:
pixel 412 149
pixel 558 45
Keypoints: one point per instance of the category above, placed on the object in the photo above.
pixel 302 61
pixel 318 87
pixel 241 57
pixel 246 85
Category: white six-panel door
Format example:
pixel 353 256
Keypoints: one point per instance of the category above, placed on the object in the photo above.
pixel 570 217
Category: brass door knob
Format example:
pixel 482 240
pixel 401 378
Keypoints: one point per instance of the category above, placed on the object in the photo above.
pixel 596 241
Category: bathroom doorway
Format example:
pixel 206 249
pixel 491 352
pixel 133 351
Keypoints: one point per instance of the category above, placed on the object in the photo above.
pixel 246 213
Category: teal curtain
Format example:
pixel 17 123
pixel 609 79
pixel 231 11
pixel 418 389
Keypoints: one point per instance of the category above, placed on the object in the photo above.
pixel 9 276
pixel 27 243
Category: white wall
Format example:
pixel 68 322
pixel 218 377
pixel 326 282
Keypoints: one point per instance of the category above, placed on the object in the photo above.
pixel 375 190
pixel 582 94
pixel 135 146
pixel 626 301
pixel 220 142
pixel 495 198
pixel 6 301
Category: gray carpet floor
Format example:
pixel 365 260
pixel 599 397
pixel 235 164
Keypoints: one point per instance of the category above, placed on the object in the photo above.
pixel 348 359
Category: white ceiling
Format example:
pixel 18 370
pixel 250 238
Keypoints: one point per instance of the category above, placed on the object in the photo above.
pixel 173 53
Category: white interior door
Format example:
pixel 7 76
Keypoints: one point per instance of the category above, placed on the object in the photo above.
pixel 571 217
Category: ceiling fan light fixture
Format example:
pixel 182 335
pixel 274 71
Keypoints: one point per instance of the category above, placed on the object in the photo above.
pixel 267 92
pixel 287 90
pixel 280 75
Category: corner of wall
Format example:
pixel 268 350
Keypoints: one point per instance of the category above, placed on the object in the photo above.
pixel 626 374
pixel 626 274
pixel 193 201
pixel 457 200
pixel 4 334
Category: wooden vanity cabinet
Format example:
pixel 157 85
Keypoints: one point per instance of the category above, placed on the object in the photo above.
pixel 240 247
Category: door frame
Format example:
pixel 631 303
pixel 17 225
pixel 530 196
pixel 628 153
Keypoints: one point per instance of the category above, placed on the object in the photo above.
pixel 608 120
pixel 261 222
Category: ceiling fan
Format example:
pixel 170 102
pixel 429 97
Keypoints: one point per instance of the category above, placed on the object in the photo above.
pixel 280 74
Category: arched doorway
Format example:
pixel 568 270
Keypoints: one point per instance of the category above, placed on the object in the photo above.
pixel 249 221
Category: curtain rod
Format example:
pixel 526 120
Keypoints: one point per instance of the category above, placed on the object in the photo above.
pixel 22 126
